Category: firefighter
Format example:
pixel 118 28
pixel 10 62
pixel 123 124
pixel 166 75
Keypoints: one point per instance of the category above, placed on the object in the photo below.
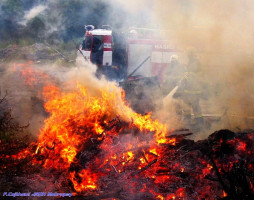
pixel 189 91
pixel 172 75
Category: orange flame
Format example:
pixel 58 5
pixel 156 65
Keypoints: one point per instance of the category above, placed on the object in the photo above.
pixel 79 117
pixel 87 180
pixel 75 118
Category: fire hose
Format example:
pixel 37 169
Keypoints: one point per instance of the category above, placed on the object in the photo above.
pixel 173 91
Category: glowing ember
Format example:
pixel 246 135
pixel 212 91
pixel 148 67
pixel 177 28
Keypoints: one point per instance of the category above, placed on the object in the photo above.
pixel 241 146
pixel 87 180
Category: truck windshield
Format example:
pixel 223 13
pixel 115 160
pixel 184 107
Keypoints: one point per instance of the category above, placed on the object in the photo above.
pixel 87 43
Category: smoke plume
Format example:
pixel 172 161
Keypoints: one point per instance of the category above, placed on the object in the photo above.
pixel 220 34
pixel 33 12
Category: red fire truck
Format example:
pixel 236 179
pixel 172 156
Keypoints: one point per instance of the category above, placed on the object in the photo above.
pixel 137 58
pixel 118 55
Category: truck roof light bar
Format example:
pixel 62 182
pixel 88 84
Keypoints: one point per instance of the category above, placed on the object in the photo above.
pixel 89 27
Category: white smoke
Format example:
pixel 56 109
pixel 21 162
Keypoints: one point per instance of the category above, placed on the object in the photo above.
pixel 221 36
pixel 132 6
pixel 135 13
pixel 32 13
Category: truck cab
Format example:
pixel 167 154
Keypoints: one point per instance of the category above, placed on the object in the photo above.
pixel 97 48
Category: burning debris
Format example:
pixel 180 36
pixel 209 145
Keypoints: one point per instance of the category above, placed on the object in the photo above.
pixel 94 145
pixel 88 139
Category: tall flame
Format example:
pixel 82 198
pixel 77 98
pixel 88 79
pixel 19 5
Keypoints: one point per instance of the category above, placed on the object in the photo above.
pixel 88 139
pixel 76 117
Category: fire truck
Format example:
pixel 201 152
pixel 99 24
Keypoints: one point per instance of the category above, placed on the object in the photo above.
pixel 136 58
pixel 121 55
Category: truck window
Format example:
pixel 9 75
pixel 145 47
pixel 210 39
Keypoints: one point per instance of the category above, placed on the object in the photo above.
pixel 87 43
pixel 97 43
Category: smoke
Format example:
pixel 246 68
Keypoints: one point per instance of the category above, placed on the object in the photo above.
pixel 24 82
pixel 66 19
pixel 220 34
pixel 32 13
pixel 1 11
pixel 51 18
pixel 125 14
pixel 131 6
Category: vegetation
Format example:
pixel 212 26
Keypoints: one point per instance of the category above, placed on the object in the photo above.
pixel 60 21
pixel 9 128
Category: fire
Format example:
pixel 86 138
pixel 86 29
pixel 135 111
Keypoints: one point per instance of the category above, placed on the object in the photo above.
pixel 251 186
pixel 224 194
pixel 87 182
pixel 74 120
pixel 146 123
pixel 78 119
pixel 22 154
pixel 30 75
pixel 130 155
pixel 90 136
pixel 241 146
pixel 154 151
pixel 207 170
pixel 159 197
